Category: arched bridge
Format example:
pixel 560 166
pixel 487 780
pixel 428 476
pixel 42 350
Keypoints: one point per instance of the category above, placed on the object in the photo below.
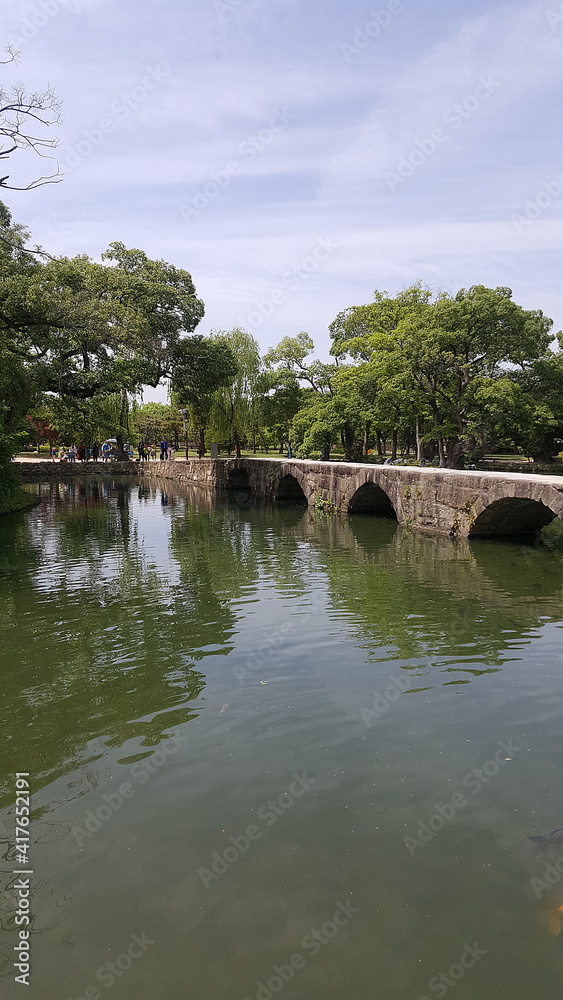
pixel 460 504
pixel 474 504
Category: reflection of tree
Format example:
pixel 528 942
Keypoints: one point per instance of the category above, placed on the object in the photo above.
pixel 224 552
pixel 100 637
pixel 454 605
pixel 96 639
pixel 110 601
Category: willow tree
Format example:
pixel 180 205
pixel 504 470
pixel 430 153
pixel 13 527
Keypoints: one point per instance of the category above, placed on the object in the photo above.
pixel 201 367
pixel 234 410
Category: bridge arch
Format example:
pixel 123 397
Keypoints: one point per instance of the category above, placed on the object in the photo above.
pixel 238 479
pixel 290 492
pixel 511 516
pixel 371 499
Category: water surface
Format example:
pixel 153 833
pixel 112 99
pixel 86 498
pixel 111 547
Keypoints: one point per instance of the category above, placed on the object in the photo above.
pixel 213 660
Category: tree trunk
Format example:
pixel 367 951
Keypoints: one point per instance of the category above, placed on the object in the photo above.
pixel 441 453
pixel 419 451
pixel 201 443
pixel 543 452
pixel 456 454
pixel 264 445
pixel 439 438
pixel 350 445
pixel 458 449
pixel 123 427
pixel 394 445
pixel 366 437
pixel 379 444
pixel 186 420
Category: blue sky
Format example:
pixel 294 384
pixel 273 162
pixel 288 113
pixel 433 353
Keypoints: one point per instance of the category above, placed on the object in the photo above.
pixel 295 156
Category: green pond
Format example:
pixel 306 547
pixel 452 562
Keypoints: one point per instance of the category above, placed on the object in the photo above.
pixel 276 753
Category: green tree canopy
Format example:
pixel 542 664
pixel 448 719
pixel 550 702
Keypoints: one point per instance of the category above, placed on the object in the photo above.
pixel 200 367
pixel 435 348
pixel 235 406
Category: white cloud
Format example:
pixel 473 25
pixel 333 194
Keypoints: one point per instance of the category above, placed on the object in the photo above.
pixel 448 222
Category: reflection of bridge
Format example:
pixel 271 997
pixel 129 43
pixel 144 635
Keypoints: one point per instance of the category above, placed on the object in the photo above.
pixel 475 504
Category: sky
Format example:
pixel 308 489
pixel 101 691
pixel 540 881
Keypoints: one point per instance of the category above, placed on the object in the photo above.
pixel 296 155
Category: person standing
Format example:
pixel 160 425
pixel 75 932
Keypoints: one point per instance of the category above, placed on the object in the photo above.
pixel 163 450
pixel 95 452
pixel 72 453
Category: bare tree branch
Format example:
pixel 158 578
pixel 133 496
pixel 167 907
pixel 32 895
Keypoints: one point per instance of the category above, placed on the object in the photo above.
pixel 20 113
pixel 13 53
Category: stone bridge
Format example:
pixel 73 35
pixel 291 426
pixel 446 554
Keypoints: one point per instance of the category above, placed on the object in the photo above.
pixel 459 504
pixel 474 504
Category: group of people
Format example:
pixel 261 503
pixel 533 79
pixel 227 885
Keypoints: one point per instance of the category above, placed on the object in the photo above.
pixel 148 451
pixel 82 453
pixel 85 453
pixel 108 452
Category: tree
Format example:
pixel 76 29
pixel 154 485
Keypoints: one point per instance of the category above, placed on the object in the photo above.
pixel 199 367
pixel 86 421
pixel 278 398
pixel 18 390
pixel 40 425
pixel 157 421
pixel 436 349
pixel 542 384
pixel 289 356
pixel 344 414
pixel 89 330
pixel 287 361
pixel 235 405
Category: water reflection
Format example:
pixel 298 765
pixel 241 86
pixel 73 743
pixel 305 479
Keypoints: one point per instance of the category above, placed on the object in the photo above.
pixel 125 620
pixel 112 600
